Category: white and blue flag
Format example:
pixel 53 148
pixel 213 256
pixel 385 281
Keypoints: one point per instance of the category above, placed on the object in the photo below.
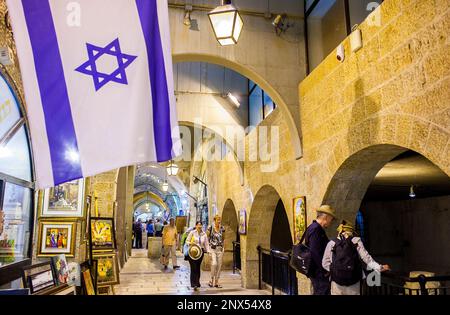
pixel 98 84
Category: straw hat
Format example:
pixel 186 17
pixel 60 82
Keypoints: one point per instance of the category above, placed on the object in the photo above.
pixel 345 227
pixel 195 252
pixel 328 210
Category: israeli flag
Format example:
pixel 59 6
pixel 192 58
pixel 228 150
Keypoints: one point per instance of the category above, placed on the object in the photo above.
pixel 98 84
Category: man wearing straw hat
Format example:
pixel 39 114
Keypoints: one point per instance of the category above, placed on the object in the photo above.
pixel 316 239
pixel 346 272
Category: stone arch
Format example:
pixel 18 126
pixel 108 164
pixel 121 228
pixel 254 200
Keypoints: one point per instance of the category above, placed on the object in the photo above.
pixel 259 230
pixel 142 197
pixel 230 222
pixel 349 184
pixel 240 164
pixel 258 79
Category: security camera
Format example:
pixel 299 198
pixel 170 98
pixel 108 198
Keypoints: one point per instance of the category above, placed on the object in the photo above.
pixel 340 53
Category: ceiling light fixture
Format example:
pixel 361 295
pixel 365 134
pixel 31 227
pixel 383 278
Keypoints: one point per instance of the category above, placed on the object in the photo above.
pixel 226 22
pixel 165 186
pixel 412 194
pixel 172 169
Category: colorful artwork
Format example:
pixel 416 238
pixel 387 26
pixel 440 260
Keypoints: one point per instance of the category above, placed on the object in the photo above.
pixel 299 217
pixel 61 268
pixel 74 274
pixel 56 238
pixel 102 233
pixel 65 200
pixel 88 285
pixel 39 277
pixel 243 222
pixel 107 269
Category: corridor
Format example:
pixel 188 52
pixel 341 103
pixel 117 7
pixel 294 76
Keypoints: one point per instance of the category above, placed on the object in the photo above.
pixel 144 276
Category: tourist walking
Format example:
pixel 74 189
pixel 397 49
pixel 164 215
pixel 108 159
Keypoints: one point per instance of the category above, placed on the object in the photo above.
pixel 216 236
pixel 342 258
pixel 316 239
pixel 158 228
pixel 150 228
pixel 137 229
pixel 169 244
pixel 197 237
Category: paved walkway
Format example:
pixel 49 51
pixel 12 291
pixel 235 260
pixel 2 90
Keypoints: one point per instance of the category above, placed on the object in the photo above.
pixel 144 276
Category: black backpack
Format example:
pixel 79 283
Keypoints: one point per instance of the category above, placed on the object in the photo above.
pixel 301 257
pixel 346 267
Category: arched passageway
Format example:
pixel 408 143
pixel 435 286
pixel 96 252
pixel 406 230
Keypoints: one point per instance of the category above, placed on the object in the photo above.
pixel 259 230
pixel 398 200
pixel 230 222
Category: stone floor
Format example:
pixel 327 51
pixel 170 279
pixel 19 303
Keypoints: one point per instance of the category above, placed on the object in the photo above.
pixel 144 276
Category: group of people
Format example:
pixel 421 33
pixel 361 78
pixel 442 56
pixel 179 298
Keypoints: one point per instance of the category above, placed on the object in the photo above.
pixel 336 266
pixel 210 242
pixel 150 227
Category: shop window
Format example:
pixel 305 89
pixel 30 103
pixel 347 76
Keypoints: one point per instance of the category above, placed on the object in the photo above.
pixel 16 219
pixel 16 230
pixel 15 157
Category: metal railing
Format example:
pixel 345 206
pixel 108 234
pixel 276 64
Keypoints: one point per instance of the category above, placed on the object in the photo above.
pixel 236 256
pixel 274 270
pixel 395 284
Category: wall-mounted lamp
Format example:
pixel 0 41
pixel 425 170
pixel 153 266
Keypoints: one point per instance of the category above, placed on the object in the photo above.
pixel 165 186
pixel 196 180
pixel 226 22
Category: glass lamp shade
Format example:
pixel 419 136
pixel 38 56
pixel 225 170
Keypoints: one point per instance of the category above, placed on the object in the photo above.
pixel 165 186
pixel 227 24
pixel 172 169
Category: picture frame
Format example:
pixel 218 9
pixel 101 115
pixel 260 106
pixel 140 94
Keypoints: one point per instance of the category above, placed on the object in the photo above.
pixel 87 279
pixel 70 290
pixel 64 201
pixel 56 237
pixel 61 268
pixel 242 222
pixel 299 213
pixel 107 270
pixel 39 277
pixel 102 234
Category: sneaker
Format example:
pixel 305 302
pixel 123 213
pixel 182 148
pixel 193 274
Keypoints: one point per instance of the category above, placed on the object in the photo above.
pixel 176 267
pixel 196 288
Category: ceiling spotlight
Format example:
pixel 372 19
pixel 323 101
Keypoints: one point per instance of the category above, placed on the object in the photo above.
pixel 412 194
pixel 226 22
pixel 280 23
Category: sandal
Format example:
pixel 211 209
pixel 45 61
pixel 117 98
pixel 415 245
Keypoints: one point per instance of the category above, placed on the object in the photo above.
pixel 210 284
pixel 218 286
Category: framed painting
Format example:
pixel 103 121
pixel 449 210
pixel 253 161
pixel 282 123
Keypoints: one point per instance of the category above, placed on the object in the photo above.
pixel 107 269
pixel 102 233
pixel 56 237
pixel 299 210
pixel 39 277
pixel 61 268
pixel 65 200
pixel 88 279
pixel 243 222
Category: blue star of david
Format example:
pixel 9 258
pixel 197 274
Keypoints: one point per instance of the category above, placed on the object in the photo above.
pixel 100 79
